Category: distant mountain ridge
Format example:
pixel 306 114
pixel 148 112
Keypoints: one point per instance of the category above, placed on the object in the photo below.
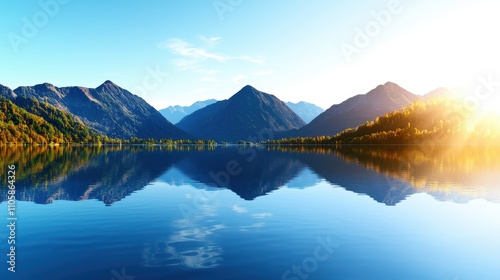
pixel 356 110
pixel 307 111
pixel 175 113
pixel 108 109
pixel 246 114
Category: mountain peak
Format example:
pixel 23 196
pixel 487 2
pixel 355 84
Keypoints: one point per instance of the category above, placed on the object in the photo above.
pixel 247 90
pixel 109 85
pixel 357 110
pixel 390 84
pixel 45 86
pixel 248 95
pixel 243 116
pixel 108 109
pixel 108 82
pixel 389 88
pixel 386 86
pixel 248 87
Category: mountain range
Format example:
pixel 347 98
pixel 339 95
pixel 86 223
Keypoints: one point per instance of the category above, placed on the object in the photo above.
pixel 108 109
pixel 249 114
pixel 306 111
pixel 175 113
pixel 356 110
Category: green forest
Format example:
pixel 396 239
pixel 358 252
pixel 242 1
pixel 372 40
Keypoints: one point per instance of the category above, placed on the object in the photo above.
pixel 40 123
pixel 29 121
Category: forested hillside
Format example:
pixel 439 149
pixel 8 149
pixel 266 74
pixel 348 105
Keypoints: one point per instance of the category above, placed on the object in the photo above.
pixel 40 123
pixel 436 121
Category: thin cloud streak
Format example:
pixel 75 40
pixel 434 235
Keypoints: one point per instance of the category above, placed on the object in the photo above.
pixel 191 55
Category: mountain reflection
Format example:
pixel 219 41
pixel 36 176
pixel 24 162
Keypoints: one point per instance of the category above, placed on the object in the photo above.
pixel 248 172
pixel 108 174
pixel 387 174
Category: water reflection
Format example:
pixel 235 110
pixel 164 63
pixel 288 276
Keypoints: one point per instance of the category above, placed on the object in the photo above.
pixel 108 174
pixel 449 173
pixel 248 172
pixel 388 174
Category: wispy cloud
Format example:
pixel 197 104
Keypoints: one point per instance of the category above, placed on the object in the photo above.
pixel 209 42
pixel 239 209
pixel 189 56
pixel 236 79
pixel 254 226
pixel 261 215
pixel 257 59
pixel 187 50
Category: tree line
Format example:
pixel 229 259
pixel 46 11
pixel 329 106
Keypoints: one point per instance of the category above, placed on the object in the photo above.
pixel 437 121
pixel 30 121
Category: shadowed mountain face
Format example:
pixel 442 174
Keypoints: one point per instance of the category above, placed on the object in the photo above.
pixel 108 109
pixel 356 110
pixel 246 115
pixel 306 111
pixel 175 113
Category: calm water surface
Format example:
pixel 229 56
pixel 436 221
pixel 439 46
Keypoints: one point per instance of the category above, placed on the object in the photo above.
pixel 253 213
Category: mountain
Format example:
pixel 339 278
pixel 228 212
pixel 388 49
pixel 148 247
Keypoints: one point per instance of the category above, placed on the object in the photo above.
pixel 249 114
pixel 108 109
pixel 356 110
pixel 175 113
pixel 435 121
pixel 307 111
pixel 457 93
pixel 40 123
pixel 6 92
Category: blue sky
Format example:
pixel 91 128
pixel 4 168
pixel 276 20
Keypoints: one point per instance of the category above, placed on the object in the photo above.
pixel 179 52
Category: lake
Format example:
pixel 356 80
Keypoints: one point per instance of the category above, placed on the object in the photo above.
pixel 355 212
